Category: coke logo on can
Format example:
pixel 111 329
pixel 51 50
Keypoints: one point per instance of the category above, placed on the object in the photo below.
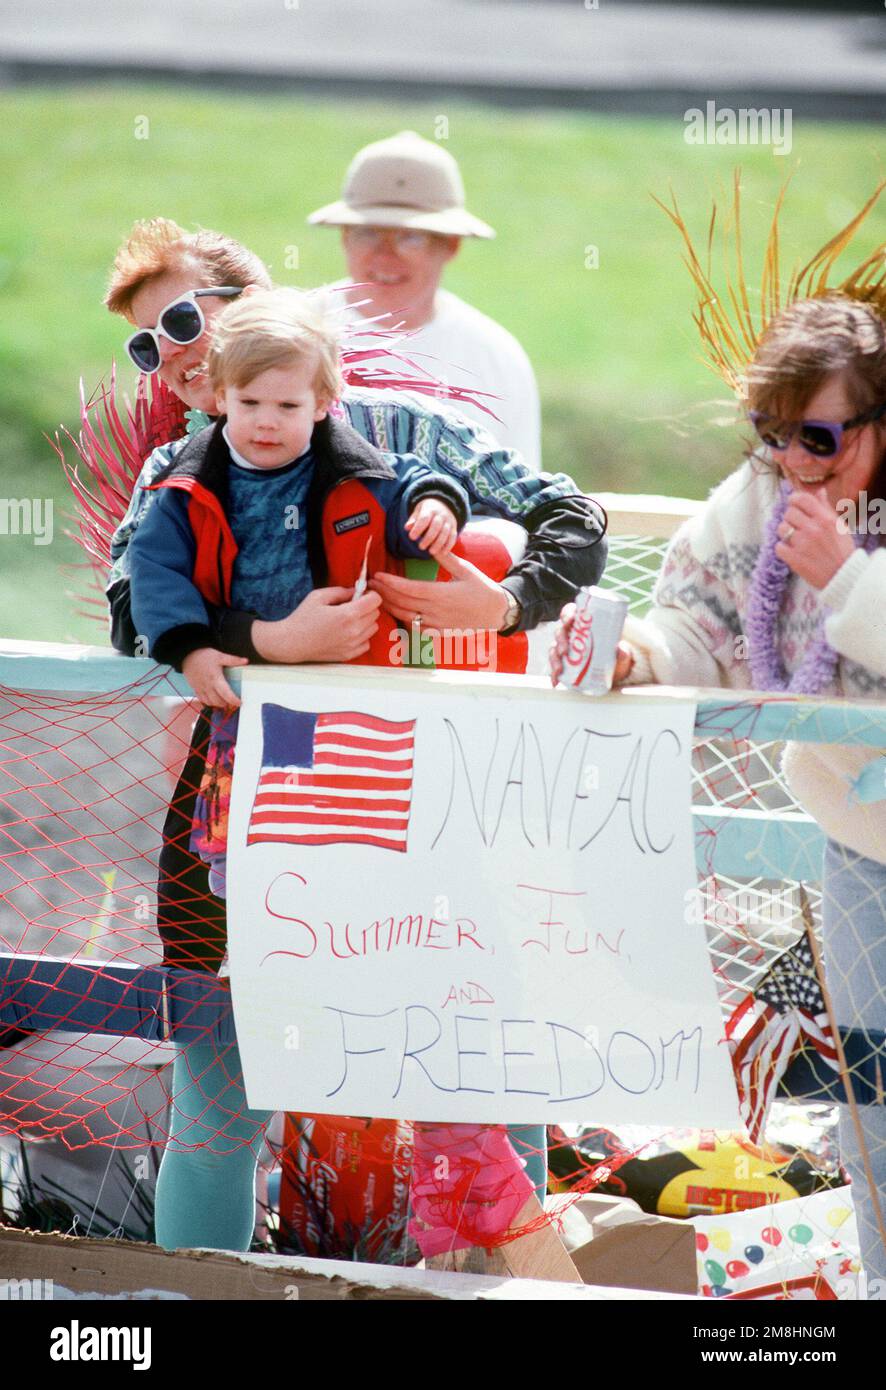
pixel 593 640
pixel 581 645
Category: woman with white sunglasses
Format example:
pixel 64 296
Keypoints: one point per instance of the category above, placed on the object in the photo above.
pixel 171 285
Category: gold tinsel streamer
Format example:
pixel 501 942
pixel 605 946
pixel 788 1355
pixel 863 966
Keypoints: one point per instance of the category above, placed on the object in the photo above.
pixel 725 320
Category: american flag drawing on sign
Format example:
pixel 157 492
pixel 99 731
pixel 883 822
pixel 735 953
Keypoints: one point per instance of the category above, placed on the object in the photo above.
pixel 333 779
pixel 768 1027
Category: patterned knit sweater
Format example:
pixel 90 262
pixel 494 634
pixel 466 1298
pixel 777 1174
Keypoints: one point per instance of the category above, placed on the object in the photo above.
pixel 695 635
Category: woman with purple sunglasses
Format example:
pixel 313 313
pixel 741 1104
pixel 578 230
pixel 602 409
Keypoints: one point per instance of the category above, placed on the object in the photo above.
pixel 779 583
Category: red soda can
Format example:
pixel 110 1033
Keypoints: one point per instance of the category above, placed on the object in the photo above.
pixel 590 656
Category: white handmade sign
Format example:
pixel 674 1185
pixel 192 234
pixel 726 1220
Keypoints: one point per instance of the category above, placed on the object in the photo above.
pixel 460 897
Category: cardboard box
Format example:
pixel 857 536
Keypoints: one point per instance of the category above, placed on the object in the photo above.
pixel 614 1243
pixel 45 1265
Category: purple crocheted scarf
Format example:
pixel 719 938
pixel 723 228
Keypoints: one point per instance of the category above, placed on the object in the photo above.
pixel 768 583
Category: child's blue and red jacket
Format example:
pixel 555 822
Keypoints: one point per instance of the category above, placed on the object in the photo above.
pixel 183 557
pixel 564 529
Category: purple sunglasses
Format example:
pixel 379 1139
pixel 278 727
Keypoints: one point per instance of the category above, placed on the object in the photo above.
pixel 820 438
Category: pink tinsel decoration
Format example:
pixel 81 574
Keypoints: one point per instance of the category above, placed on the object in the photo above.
pixel 110 451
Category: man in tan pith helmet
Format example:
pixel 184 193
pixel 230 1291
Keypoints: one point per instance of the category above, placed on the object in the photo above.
pixel 403 216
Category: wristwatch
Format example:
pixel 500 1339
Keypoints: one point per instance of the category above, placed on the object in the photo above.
pixel 512 613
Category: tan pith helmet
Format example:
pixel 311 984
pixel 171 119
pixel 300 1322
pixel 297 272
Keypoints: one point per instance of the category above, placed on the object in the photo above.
pixel 405 181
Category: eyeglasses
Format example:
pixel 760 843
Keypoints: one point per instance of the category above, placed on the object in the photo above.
pixel 403 238
pixel 820 438
pixel 181 322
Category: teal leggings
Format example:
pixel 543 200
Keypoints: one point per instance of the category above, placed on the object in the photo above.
pixel 206 1194
pixel 206 1184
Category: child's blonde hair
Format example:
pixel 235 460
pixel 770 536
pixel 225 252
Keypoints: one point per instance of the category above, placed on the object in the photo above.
pixel 274 328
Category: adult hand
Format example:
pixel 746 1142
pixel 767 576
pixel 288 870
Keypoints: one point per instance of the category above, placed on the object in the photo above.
pixel 203 669
pixel 624 657
pixel 470 599
pixel 329 625
pixel 814 542
pixel 560 644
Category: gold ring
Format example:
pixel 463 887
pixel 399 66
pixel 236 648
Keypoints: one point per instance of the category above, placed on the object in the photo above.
pixel 788 533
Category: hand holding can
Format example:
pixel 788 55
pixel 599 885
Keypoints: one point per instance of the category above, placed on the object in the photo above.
pixel 591 641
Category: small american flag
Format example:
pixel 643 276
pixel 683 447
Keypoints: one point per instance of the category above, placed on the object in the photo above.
pixel 333 779
pixel 786 1011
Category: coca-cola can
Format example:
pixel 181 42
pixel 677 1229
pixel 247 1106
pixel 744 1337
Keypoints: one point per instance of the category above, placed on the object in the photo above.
pixel 593 639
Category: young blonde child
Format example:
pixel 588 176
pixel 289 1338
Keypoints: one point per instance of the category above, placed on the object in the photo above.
pixel 237 539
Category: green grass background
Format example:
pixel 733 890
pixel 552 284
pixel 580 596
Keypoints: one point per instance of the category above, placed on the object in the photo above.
pixel 628 405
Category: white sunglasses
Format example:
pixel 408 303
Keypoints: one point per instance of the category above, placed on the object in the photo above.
pixel 181 322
